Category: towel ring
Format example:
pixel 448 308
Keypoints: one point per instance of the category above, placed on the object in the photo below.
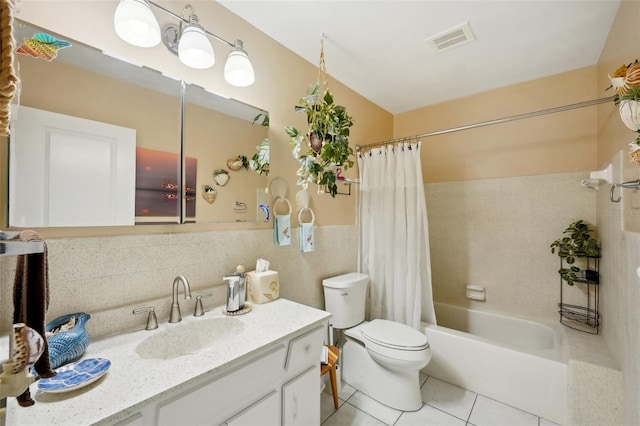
pixel 278 200
pixel 313 216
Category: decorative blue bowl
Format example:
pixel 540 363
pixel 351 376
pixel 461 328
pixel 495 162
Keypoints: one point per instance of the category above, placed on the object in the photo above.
pixel 69 345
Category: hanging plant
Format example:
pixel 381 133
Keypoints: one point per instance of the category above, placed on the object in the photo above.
pixel 325 144
pixel 626 83
pixel 260 160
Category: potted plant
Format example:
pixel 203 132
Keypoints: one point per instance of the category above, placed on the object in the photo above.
pixel 577 242
pixel 237 163
pixel 626 83
pixel 221 176
pixel 325 144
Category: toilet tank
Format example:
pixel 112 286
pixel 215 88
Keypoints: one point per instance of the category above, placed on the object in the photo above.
pixel 344 297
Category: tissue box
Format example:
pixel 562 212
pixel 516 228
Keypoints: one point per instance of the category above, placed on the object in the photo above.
pixel 263 286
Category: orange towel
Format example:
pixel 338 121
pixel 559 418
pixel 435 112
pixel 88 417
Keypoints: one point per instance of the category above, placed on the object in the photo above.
pixel 31 301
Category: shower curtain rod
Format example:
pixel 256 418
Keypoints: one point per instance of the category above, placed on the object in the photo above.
pixel 490 122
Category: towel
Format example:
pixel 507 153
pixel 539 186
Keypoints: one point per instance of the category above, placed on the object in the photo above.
pixel 282 229
pixel 31 301
pixel 306 237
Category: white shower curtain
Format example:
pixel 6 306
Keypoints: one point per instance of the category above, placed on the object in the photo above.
pixel 394 237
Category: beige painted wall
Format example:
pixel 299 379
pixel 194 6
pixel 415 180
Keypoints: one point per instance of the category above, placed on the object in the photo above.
pixel 65 89
pixel 556 143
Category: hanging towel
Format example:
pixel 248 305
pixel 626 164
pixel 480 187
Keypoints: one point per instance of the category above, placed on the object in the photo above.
pixel 282 230
pixel 31 301
pixel 306 237
pixel 306 231
pixel 282 224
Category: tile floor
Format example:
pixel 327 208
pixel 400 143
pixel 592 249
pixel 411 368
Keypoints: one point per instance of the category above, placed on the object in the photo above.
pixel 444 405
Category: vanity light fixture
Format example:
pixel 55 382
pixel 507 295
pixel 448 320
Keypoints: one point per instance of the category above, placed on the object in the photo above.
pixel 188 40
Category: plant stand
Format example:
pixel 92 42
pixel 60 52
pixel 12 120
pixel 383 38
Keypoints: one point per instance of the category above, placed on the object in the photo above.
pixel 579 310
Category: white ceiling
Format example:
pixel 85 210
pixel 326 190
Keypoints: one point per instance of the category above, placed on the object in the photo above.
pixel 378 49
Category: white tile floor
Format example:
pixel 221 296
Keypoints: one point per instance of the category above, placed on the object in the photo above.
pixel 444 405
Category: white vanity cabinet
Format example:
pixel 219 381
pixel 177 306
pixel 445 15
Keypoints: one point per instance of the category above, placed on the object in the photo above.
pixel 266 374
pixel 278 386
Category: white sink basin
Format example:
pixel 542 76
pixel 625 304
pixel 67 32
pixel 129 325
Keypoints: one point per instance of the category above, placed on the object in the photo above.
pixel 181 339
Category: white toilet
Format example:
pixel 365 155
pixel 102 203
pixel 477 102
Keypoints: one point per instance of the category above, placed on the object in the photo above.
pixel 380 358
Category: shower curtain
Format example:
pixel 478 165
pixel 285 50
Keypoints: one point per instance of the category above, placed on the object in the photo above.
pixel 394 237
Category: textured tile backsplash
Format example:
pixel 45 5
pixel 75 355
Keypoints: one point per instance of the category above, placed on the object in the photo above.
pixel 495 233
pixel 108 276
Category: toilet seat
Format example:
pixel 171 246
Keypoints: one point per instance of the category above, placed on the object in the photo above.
pixel 394 335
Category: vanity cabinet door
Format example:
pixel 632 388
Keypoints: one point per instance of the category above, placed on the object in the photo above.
pixel 265 412
pixel 301 399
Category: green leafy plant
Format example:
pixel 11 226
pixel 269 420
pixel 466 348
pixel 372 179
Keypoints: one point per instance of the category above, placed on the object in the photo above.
pixel 260 160
pixel 325 144
pixel 577 242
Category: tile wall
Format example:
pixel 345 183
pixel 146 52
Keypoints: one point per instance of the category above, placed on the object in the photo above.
pixel 495 233
pixel 109 276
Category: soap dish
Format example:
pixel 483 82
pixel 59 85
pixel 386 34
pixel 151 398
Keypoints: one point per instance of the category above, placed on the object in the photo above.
pixel 247 308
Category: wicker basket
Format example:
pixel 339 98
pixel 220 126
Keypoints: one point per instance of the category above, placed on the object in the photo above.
pixel 635 156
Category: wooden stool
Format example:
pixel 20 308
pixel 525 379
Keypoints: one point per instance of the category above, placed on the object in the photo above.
pixel 334 353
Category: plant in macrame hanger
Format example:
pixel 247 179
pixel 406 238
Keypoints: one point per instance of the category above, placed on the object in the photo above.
pixel 626 83
pixel 325 146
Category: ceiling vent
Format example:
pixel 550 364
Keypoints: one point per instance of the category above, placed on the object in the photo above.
pixel 451 38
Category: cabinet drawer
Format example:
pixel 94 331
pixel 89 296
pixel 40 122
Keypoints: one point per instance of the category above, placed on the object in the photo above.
pixel 304 350
pixel 264 412
pixel 301 399
pixel 223 396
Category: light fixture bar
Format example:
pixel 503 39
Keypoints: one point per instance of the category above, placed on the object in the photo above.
pixel 186 21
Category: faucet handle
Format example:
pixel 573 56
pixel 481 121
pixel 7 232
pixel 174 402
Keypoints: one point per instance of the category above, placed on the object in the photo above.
pixel 199 311
pixel 152 320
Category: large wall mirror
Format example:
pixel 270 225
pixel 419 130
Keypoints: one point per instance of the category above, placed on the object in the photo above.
pixel 97 141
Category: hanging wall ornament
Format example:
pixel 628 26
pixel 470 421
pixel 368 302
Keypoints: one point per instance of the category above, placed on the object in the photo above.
pixel 209 193
pixel 221 177
pixel 237 163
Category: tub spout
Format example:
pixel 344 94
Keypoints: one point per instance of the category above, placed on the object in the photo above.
pixel 176 316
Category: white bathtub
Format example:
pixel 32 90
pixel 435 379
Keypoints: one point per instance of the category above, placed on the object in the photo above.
pixel 518 362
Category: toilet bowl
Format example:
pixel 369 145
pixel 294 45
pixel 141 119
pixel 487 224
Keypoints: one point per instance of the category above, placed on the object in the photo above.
pixel 380 358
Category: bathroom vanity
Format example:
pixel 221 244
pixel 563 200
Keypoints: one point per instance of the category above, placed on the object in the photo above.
pixel 265 371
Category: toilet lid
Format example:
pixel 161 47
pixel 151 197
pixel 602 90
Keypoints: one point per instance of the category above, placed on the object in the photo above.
pixel 394 335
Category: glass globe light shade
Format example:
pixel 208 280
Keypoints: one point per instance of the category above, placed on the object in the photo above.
pixel 136 24
pixel 238 70
pixel 194 48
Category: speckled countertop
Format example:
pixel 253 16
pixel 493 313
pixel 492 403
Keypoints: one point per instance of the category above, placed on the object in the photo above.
pixel 133 382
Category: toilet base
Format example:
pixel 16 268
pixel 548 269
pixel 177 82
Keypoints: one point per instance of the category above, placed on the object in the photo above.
pixel 396 389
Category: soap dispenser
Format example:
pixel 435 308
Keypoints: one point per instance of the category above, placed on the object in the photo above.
pixel 236 290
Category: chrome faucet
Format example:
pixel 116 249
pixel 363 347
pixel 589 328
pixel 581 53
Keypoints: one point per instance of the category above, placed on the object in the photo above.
pixel 176 316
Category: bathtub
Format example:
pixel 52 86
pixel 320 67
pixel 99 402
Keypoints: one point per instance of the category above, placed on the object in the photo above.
pixel 518 362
